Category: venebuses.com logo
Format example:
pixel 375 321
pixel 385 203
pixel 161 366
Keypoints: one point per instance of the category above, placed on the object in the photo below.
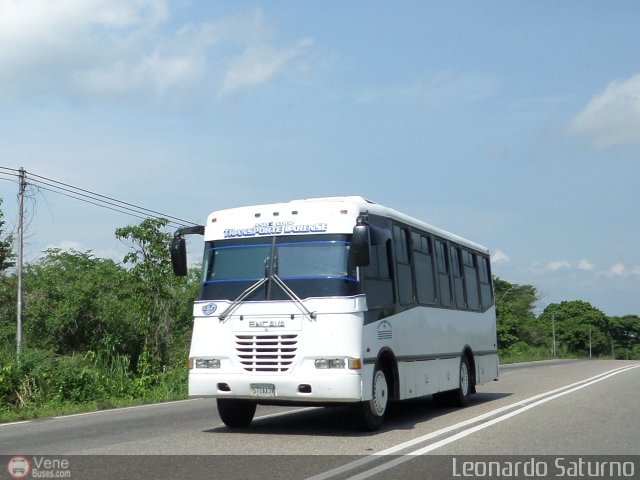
pixel 38 467
pixel 18 467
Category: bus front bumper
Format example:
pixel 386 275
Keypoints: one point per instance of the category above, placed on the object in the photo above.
pixel 338 387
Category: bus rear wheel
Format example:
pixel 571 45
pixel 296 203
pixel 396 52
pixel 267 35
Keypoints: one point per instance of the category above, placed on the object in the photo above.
pixel 236 413
pixel 461 396
pixel 371 412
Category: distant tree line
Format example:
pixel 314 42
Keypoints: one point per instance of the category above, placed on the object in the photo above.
pixel 96 330
pixel 579 329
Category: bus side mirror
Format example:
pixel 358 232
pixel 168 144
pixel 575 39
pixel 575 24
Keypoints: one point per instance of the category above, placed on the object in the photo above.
pixel 179 256
pixel 361 241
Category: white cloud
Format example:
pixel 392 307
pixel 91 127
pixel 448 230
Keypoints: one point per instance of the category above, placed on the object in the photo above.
pixel 612 117
pixel 160 72
pixel 558 265
pixel 67 246
pixel 42 31
pixel 620 270
pixel 499 257
pixel 72 245
pixel 617 270
pixel 585 264
pixel 258 64
pixel 106 48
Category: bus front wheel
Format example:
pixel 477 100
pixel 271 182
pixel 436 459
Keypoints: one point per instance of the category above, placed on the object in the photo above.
pixel 371 412
pixel 236 413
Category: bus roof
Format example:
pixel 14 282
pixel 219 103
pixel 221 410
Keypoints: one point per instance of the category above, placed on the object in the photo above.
pixel 360 204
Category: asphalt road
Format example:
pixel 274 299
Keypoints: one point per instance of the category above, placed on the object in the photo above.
pixel 556 408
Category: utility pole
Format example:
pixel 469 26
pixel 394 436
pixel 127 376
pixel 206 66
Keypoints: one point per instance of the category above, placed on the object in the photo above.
pixel 613 352
pixel 553 329
pixel 21 189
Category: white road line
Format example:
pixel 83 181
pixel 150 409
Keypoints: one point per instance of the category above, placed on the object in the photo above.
pixel 465 433
pixel 111 410
pixel 523 405
pixel 279 414
pixel 15 423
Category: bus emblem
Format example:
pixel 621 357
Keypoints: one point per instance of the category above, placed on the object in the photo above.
pixel 385 331
pixel 209 308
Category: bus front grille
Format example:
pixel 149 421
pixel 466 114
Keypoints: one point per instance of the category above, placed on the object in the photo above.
pixel 266 353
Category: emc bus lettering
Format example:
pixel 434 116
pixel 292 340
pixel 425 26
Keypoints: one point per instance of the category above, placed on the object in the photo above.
pixel 267 324
pixel 272 228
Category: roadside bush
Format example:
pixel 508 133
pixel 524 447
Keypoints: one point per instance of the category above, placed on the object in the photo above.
pixel 9 376
pixel 521 352
pixel 46 381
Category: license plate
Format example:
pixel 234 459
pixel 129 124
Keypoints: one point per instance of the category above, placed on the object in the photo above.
pixel 263 390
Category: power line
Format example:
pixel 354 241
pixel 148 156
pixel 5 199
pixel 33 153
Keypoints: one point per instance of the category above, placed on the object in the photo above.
pixel 40 187
pixel 11 177
pixel 120 202
pixel 44 183
pixel 8 177
pixel 138 212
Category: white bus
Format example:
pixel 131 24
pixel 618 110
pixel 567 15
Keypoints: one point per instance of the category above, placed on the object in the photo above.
pixel 336 301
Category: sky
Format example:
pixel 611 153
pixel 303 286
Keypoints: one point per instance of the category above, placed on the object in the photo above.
pixel 513 124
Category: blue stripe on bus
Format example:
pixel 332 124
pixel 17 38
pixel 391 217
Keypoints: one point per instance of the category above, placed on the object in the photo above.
pixel 319 242
pixel 348 279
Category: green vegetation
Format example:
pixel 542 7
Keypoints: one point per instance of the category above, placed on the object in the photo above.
pixel 97 334
pixel 100 334
pixel 581 330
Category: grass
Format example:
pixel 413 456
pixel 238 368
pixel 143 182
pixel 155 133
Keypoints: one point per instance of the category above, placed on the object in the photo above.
pixel 43 384
pixel 59 409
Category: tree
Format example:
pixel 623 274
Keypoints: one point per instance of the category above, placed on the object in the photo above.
pixel 6 252
pixel 625 336
pixel 8 300
pixel 580 327
pixel 164 301
pixel 7 286
pixel 516 320
pixel 75 302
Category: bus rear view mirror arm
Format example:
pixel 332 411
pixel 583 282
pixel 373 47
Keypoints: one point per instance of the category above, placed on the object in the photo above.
pixel 361 241
pixel 178 248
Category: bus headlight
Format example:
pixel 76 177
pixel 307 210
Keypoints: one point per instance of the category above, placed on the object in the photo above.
pixel 326 363
pixel 207 362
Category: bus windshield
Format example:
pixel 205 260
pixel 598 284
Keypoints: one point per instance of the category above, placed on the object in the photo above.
pixel 311 265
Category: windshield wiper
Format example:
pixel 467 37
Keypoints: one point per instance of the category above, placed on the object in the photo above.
pixel 293 296
pixel 253 288
pixel 241 298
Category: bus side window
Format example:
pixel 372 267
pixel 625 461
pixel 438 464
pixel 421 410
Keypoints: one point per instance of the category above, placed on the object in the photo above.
pixel 423 264
pixel 471 279
pixel 458 282
pixel 403 265
pixel 378 283
pixel 484 274
pixel 443 273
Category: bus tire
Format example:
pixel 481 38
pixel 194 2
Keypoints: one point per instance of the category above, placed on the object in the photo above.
pixel 371 412
pixel 236 413
pixel 463 393
pixel 461 396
